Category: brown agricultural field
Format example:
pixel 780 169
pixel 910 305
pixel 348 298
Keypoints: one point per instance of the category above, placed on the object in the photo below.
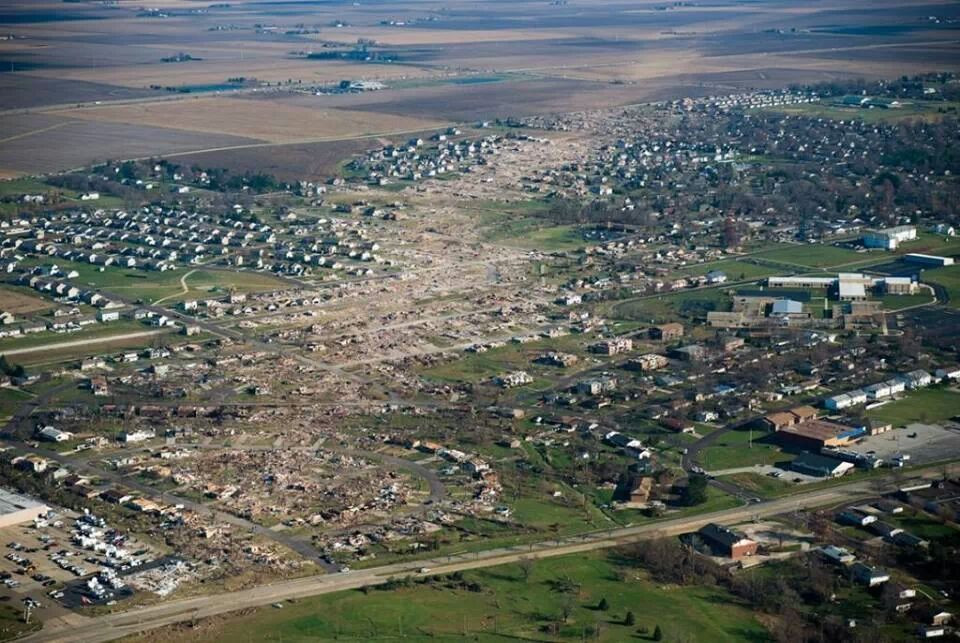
pixel 291 162
pixel 77 143
pixel 515 58
pixel 18 302
pixel 265 120
pixel 217 67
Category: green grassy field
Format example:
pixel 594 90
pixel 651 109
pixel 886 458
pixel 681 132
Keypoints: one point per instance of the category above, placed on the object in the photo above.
pixel 736 270
pixel 477 367
pixel 918 110
pixel 899 302
pixel 926 527
pixel 688 303
pixel 812 255
pixel 12 625
pixel 930 243
pixel 151 286
pixel 927 405
pixel 762 485
pixel 30 185
pixel 90 332
pixel 535 234
pixel 38 361
pixel 949 278
pixel 10 400
pixel 504 606
pixel 733 450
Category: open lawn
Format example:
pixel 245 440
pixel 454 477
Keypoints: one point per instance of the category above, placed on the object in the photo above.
pixel 915 110
pixel 477 367
pixel 734 269
pixel 10 400
pixel 762 485
pixel 812 255
pixel 151 286
pixel 733 449
pixel 687 303
pixel 949 278
pixel 927 405
pixel 899 302
pixel 926 527
pixel 36 361
pixel 532 234
pixel 502 605
pixel 931 244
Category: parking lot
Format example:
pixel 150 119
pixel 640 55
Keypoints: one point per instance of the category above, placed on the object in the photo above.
pixel 50 564
pixel 922 442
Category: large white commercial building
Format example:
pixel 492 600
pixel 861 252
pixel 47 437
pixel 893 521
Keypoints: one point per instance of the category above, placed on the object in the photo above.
pixel 928 260
pixel 889 238
pixel 849 285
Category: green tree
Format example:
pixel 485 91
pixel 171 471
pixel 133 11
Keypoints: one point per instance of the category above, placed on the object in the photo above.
pixel 695 492
pixel 603 605
pixel 657 633
pixel 630 619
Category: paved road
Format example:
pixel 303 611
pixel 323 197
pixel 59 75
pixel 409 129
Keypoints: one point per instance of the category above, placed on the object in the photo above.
pixel 82 342
pixel 106 628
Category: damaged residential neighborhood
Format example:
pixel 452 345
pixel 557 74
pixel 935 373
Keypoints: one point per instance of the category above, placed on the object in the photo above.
pixel 568 322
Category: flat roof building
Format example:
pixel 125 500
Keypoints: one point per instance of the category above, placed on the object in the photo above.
pixel 820 466
pixel 928 260
pixel 16 509
pixel 889 238
pixel 820 433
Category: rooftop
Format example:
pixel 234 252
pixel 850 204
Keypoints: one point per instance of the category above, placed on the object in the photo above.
pixel 11 502
pixel 816 429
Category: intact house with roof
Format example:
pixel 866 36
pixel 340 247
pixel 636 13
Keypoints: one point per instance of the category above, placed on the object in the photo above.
pixel 838 555
pixel 867 575
pixel 856 518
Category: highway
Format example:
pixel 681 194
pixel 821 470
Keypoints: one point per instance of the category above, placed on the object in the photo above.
pixel 113 626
